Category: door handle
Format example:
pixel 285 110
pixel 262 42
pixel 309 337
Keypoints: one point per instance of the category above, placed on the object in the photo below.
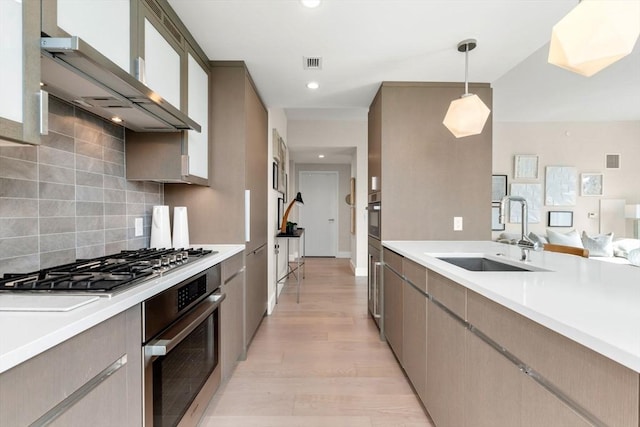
pixel 331 219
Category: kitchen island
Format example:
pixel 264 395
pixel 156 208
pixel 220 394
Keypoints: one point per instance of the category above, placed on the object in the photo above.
pixel 556 345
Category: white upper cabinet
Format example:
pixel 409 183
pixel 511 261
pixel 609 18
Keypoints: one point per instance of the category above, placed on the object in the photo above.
pixel 11 57
pixel 198 110
pixel 104 24
pixel 19 71
pixel 161 65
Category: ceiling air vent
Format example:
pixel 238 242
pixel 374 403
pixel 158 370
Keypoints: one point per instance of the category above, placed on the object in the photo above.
pixel 613 161
pixel 312 63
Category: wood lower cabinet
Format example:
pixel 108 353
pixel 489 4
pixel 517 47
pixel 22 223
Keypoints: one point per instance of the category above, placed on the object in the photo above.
pixel 493 394
pixel 256 291
pixel 446 338
pixel 414 342
pixel 393 310
pixel 541 408
pixel 30 390
pixel 577 372
pixel 232 314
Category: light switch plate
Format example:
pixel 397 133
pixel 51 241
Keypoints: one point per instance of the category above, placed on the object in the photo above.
pixel 457 223
pixel 138 227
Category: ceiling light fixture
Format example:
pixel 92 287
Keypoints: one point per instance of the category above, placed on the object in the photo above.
pixel 310 3
pixel 321 156
pixel 467 115
pixel 594 35
pixel 116 119
pixel 313 85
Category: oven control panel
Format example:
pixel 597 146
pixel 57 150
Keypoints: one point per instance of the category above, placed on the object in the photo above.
pixel 191 292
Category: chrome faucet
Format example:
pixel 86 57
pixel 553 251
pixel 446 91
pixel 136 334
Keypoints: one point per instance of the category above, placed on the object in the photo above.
pixel 525 243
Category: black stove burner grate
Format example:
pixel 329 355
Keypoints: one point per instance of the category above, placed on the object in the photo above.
pixel 103 274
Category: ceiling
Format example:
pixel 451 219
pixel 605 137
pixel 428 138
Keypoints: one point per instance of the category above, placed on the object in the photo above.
pixel 365 42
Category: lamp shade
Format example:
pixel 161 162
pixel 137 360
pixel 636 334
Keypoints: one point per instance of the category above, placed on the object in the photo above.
pixel 632 211
pixel 466 116
pixel 594 35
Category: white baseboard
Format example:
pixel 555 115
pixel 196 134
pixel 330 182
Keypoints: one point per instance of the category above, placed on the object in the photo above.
pixel 361 271
pixel 272 299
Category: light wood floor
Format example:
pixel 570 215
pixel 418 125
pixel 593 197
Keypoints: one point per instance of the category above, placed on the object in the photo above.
pixel 319 363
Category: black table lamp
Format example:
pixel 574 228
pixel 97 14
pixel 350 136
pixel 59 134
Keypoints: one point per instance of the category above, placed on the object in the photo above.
pixel 296 201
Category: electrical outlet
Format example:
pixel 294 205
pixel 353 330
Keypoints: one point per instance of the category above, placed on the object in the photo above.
pixel 138 227
pixel 457 223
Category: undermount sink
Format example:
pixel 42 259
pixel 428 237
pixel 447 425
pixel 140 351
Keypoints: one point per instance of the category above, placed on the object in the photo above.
pixel 481 264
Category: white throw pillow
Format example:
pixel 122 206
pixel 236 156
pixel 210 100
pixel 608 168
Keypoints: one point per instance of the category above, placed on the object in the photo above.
pixel 622 247
pixel 600 245
pixel 571 238
pixel 634 257
pixel 539 238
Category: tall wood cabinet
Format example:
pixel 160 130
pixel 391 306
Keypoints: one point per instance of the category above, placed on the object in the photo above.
pixel 237 164
pixel 426 176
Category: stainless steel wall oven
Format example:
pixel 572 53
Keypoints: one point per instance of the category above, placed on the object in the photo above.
pixel 181 350
pixel 374 213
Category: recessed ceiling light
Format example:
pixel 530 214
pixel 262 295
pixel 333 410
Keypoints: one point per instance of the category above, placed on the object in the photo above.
pixel 313 85
pixel 310 3
pixel 321 156
pixel 116 119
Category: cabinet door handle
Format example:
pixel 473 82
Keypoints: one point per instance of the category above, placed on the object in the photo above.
pixel 43 99
pixel 376 292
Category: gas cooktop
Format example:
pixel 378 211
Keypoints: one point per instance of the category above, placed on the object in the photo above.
pixel 104 275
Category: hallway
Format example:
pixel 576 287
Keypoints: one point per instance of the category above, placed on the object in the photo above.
pixel 318 363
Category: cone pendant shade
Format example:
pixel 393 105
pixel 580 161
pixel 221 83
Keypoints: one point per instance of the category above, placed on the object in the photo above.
pixel 594 35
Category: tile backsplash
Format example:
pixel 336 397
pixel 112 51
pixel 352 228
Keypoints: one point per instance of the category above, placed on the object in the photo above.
pixel 68 198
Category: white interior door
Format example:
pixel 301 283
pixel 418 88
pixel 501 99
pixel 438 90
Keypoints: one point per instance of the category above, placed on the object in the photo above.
pixel 319 216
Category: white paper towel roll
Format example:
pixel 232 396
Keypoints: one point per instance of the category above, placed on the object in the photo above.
pixel 160 228
pixel 180 227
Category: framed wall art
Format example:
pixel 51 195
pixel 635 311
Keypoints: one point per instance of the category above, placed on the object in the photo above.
pixel 592 184
pixel 280 213
pixel 525 166
pixel 561 185
pixel 275 173
pixel 498 187
pixel 560 219
pixel 495 218
pixel 533 194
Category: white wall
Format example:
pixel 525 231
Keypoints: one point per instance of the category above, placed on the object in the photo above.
pixel 278 120
pixel 579 144
pixel 341 133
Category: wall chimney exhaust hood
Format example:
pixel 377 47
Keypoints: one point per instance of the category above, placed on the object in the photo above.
pixel 76 72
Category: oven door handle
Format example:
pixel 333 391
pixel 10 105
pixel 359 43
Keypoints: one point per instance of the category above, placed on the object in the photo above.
pixel 162 345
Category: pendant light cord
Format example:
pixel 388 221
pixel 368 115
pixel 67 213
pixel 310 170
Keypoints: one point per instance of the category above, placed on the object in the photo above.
pixel 466 69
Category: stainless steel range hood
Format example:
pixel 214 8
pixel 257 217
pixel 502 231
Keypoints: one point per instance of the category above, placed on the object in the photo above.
pixel 76 72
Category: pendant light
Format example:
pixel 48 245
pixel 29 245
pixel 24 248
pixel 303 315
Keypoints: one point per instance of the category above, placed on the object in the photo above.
pixel 594 35
pixel 467 115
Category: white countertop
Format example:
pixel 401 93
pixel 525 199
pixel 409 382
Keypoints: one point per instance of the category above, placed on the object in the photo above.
pixel 26 334
pixel 596 304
